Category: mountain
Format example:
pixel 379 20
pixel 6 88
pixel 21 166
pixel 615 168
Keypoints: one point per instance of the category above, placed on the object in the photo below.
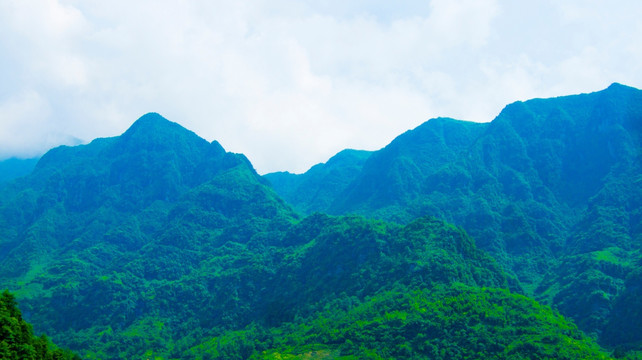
pixel 97 231
pixel 550 188
pixel 155 243
pixel 76 195
pixel 315 189
pixel 159 244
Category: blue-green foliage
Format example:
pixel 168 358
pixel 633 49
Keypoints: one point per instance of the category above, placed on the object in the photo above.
pixel 147 243
pixel 314 190
pixel 544 187
pixel 159 244
pixel 97 232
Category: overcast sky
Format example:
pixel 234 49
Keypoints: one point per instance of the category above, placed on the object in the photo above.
pixel 290 83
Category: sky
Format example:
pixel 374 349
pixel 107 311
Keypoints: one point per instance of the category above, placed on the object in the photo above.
pixel 291 83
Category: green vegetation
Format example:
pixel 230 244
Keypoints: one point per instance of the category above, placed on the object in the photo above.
pixel 17 340
pixel 314 190
pixel 444 322
pixel 116 256
pixel 149 301
pixel 551 188
pixel 159 244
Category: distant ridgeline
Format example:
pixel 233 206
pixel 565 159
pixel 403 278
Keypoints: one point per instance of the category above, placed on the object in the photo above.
pixel 14 168
pixel 160 244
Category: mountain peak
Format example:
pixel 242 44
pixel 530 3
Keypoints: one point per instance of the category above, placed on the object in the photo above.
pixel 151 116
pixel 617 85
pixel 154 131
pixel 152 122
pixel 620 89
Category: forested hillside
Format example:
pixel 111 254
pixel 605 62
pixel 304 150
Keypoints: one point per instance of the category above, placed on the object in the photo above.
pixel 551 188
pixel 442 322
pixel 160 244
pixel 150 243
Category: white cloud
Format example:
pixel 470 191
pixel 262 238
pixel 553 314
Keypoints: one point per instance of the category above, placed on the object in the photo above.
pixel 463 22
pixel 22 128
pixel 291 83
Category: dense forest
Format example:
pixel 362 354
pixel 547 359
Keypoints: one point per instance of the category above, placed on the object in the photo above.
pixel 17 340
pixel 551 188
pixel 518 238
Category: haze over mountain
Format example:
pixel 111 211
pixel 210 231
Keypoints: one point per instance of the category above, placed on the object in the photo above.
pixel 14 168
pixel 158 243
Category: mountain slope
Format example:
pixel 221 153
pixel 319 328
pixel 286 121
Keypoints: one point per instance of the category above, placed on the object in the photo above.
pixel 395 175
pixel 193 287
pixel 96 230
pixel 149 244
pixel 316 188
pixel 457 322
pixel 75 195
pixel 146 244
pixel 544 184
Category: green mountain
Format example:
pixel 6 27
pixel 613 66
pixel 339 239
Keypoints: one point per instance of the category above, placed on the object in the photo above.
pixel 159 244
pixel 551 188
pixel 97 232
pixel 150 243
pixel 78 195
pixel 315 189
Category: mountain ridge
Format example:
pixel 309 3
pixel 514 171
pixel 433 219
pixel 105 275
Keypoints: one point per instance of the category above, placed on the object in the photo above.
pixel 159 226
pixel 545 182
pixel 157 243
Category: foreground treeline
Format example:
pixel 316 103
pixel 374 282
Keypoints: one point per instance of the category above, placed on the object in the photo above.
pixel 17 340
